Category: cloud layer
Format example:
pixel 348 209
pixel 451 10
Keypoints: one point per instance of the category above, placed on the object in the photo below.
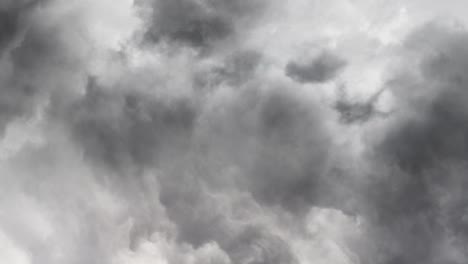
pixel 232 132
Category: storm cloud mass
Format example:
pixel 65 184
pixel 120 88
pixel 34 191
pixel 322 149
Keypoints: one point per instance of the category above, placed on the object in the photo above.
pixel 233 132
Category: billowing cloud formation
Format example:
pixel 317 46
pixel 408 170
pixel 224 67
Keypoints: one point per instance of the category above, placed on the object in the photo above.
pixel 436 94
pixel 157 131
pixel 425 151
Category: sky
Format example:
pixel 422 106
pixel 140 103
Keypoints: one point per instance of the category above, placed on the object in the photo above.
pixel 233 132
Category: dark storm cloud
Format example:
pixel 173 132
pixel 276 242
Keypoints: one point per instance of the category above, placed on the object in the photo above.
pixel 126 131
pixel 322 68
pixel 122 129
pixel 15 101
pixel 8 26
pixel 229 165
pixel 404 222
pixel 11 15
pixel 278 141
pixel 39 48
pixel 439 132
pixel 223 165
pixel 199 23
pixel 282 166
pixel 418 218
pixel 416 206
pixel 168 162
pixel 22 48
pixel 293 149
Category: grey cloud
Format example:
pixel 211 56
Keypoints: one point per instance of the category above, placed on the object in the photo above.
pixel 414 218
pixel 256 245
pixel 240 67
pixel 439 131
pixel 279 143
pixel 123 161
pixel 128 132
pixel 359 112
pixel 128 129
pixel 20 42
pixel 283 166
pixel 424 153
pixel 200 219
pixel 236 69
pixel 199 23
pixel 9 26
pixel 231 165
pixel 12 14
pixel 57 205
pixel 322 68
pixel 293 150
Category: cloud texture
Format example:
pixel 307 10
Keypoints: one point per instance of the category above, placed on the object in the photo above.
pixel 233 132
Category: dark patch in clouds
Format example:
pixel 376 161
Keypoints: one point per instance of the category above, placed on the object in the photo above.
pixel 279 143
pixel 12 14
pixel 359 112
pixel 425 154
pixel 18 89
pixel 240 67
pixel 8 26
pixel 292 153
pixel 199 23
pixel 321 68
pixel 439 130
pixel 128 129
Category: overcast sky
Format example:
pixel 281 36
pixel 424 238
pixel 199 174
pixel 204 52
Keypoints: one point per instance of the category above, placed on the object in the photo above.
pixel 233 132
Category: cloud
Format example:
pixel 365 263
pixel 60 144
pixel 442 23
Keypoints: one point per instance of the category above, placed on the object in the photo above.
pixel 121 129
pixel 41 57
pixel 322 68
pixel 424 151
pixel 359 112
pixel 436 130
pixel 199 24
pixel 172 132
